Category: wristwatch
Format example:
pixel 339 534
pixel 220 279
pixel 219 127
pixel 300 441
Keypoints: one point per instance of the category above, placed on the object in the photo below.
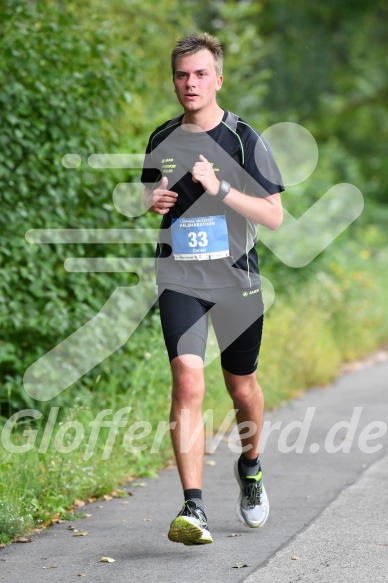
pixel 223 190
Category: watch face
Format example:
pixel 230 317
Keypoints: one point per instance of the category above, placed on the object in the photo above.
pixel 224 188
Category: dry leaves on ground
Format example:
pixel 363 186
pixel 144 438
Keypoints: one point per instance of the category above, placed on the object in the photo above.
pixel 80 533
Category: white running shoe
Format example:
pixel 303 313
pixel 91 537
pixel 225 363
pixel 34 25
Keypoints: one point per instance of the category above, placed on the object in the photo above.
pixel 190 526
pixel 253 505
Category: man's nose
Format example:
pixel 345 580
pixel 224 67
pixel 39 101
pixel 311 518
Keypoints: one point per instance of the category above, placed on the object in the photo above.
pixel 190 81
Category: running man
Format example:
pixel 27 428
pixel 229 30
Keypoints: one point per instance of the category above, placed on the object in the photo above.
pixel 213 179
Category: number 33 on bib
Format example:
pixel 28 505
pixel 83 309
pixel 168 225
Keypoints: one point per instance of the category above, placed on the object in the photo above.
pixel 200 238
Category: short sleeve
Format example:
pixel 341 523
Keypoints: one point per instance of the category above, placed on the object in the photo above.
pixel 262 173
pixel 151 173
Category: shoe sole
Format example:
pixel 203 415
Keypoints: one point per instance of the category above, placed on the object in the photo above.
pixel 184 531
pixel 238 505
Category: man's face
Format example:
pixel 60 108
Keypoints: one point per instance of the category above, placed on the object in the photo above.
pixel 196 81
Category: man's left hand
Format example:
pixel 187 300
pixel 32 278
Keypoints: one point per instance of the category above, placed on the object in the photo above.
pixel 203 172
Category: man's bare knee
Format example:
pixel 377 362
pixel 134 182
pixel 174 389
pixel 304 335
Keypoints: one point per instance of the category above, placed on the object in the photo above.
pixel 188 381
pixel 243 389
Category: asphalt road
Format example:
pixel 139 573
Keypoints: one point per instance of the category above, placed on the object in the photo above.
pixel 347 542
pixel 328 501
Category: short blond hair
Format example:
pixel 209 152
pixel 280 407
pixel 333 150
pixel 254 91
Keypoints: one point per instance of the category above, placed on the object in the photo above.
pixel 198 41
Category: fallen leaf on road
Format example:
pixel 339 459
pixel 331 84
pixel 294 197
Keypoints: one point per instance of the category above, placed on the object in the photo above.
pixel 294 558
pixel 81 575
pixel 233 534
pixel 51 567
pixel 80 534
pixel 106 560
pixel 126 502
pixel 78 503
pixel 210 463
pixel 118 493
pixel 2 546
pixel 240 566
pixel 147 519
pixel 107 497
pixel 22 539
pixel 88 515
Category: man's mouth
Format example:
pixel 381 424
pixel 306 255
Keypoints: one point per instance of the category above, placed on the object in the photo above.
pixel 191 95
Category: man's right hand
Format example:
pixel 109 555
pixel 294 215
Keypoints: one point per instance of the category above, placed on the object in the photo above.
pixel 163 199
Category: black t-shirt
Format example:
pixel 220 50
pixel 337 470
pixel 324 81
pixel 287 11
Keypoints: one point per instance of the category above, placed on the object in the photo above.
pixel 239 156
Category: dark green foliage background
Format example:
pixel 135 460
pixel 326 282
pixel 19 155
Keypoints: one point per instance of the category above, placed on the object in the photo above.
pixel 63 87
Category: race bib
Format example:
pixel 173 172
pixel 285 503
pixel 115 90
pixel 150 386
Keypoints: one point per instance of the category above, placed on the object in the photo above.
pixel 200 238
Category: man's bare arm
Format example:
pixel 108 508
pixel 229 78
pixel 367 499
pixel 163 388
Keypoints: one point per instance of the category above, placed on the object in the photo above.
pixel 266 211
pixel 263 211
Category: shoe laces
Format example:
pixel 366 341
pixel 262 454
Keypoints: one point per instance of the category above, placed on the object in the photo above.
pixel 252 492
pixel 195 511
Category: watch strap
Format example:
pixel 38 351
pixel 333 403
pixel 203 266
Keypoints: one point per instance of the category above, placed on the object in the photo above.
pixel 223 190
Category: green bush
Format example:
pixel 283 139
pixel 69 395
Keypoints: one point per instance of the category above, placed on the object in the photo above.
pixel 63 87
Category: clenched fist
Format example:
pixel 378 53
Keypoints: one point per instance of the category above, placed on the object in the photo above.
pixel 203 172
pixel 163 199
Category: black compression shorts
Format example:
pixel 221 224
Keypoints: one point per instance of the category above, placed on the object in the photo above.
pixel 237 317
